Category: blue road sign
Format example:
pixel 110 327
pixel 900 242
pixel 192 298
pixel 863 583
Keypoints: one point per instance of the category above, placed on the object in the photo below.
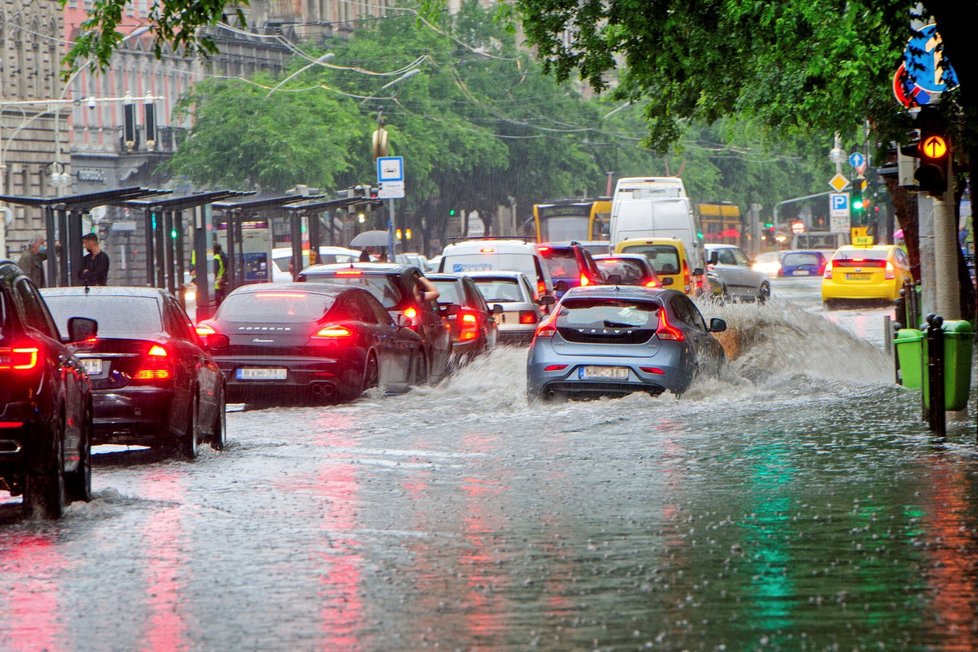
pixel 840 202
pixel 390 168
pixel 927 73
pixel 856 159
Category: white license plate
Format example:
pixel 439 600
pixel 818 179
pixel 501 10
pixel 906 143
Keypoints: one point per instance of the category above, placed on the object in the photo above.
pixel 801 272
pixel 509 317
pixel 255 373
pixel 858 277
pixel 603 373
pixel 92 366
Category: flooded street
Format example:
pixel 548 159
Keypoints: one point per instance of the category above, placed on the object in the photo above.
pixel 796 503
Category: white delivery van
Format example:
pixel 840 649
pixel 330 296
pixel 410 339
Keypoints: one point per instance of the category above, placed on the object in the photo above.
pixel 649 188
pixel 498 255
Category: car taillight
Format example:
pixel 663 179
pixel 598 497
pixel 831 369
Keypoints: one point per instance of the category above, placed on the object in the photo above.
pixel 19 358
pixel 349 272
pixel 333 332
pixel 687 278
pixel 203 330
pixel 541 288
pixel 547 328
pixel 652 284
pixel 585 281
pixel 155 365
pixel 828 270
pixel 890 271
pixel 667 331
pixel 652 370
pixel 469 329
pixel 555 367
pixel 528 316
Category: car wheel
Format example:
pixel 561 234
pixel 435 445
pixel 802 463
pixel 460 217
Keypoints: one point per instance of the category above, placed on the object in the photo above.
pixel 420 369
pixel 371 374
pixel 79 483
pixel 828 305
pixel 191 439
pixel 44 491
pixel 219 438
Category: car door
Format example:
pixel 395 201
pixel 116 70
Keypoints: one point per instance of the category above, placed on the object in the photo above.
pixel 706 349
pixel 208 375
pixel 475 299
pixel 396 346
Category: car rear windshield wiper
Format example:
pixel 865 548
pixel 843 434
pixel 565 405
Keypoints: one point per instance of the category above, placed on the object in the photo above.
pixel 615 324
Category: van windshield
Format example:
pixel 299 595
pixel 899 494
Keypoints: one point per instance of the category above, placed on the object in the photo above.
pixel 663 258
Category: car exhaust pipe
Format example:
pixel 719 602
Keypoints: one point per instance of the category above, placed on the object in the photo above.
pixel 322 390
pixel 551 394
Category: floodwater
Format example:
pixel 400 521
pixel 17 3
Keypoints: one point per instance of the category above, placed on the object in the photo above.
pixel 796 503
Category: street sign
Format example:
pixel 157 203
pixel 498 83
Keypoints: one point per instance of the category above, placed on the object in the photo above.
pixel 839 204
pixel 862 236
pixel 390 190
pixel 838 182
pixel 856 159
pixel 861 170
pixel 390 168
pixel 926 73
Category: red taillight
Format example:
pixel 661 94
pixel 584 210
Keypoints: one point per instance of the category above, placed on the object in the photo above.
pixel 9 425
pixel 203 330
pixel 555 367
pixel 667 331
pixel 890 271
pixel 828 270
pixel 19 358
pixel 155 366
pixel 687 279
pixel 411 312
pixel 585 281
pixel 528 316
pixel 469 329
pixel 541 288
pixel 652 370
pixel 547 328
pixel 543 250
pixel 333 332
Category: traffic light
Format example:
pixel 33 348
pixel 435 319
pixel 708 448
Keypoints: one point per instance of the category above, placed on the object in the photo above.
pixel 934 151
pixel 857 211
pixel 451 212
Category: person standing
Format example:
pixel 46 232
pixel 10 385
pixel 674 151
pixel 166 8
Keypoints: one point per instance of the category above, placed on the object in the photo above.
pixel 31 262
pixel 220 272
pixel 95 265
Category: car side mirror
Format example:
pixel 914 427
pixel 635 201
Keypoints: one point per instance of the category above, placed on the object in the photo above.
pixel 666 281
pixel 714 258
pixel 614 279
pixel 403 321
pixel 81 328
pixel 698 271
pixel 717 325
pixel 546 300
pixel 497 309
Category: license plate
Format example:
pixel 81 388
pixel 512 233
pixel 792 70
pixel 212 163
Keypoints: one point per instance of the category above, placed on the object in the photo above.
pixel 510 317
pixel 92 366
pixel 603 373
pixel 255 373
pixel 801 272
pixel 858 277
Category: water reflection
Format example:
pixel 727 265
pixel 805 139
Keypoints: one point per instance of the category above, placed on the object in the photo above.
pixel 167 566
pixel 30 565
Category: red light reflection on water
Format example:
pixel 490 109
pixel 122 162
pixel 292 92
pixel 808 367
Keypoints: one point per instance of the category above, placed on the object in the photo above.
pixel 167 565
pixel 31 568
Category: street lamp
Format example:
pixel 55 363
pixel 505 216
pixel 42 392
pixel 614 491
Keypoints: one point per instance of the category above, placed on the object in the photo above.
pixel 410 73
pixel 318 62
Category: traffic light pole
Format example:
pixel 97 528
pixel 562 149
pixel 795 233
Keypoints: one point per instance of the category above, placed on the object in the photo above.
pixel 946 256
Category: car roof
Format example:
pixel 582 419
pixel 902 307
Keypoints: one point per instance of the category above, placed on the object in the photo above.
pixel 805 251
pixel 105 291
pixel 329 289
pixel 370 268
pixel 623 255
pixel 510 245
pixel 651 241
pixel 720 245
pixel 617 292
pixel 495 274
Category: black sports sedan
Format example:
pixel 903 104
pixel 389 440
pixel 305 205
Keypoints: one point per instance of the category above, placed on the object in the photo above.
pixel 281 342
pixel 45 402
pixel 397 288
pixel 154 384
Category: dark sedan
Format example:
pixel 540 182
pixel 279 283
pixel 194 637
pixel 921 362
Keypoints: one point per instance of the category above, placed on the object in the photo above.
pixel 397 289
pixel 474 329
pixel 153 382
pixel 305 341
pixel 45 402
pixel 614 340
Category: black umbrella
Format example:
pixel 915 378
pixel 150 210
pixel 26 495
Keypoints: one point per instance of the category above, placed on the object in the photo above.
pixel 370 239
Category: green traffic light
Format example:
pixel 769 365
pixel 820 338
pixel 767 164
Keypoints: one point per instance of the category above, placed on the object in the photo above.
pixel 173 234
pixel 451 212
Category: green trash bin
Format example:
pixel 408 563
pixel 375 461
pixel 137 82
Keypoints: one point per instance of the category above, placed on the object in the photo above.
pixel 959 338
pixel 910 356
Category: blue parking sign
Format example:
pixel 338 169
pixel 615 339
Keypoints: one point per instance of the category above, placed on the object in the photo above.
pixel 839 204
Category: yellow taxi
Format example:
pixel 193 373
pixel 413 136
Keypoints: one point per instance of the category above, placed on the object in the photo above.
pixel 860 273
pixel 667 257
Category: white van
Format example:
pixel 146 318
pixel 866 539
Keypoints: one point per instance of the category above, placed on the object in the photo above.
pixel 649 188
pixel 498 255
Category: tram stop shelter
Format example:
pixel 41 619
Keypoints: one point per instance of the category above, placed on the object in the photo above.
pixel 310 211
pixel 63 223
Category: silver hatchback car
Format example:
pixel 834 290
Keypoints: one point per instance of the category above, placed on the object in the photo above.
pixel 522 309
pixel 615 340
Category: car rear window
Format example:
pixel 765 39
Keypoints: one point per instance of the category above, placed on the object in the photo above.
pixel 117 316
pixel 861 254
pixel 448 292
pixel 490 261
pixel 499 289
pixel 663 258
pixel 608 313
pixel 383 288
pixel 561 263
pixel 797 260
pixel 276 307
pixel 629 271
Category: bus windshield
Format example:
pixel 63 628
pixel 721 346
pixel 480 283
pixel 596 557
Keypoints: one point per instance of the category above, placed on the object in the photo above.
pixel 566 220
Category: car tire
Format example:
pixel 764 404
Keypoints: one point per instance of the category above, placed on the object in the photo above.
pixel 188 444
pixel 78 484
pixel 419 369
pixel 828 305
pixel 219 438
pixel 371 374
pixel 44 491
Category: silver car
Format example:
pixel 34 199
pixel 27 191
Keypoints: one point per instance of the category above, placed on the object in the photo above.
pixel 522 309
pixel 736 278
pixel 615 340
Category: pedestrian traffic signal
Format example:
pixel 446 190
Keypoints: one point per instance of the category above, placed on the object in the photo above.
pixel 934 152
pixel 451 212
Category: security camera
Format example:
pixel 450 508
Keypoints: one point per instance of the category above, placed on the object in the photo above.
pixel 91 102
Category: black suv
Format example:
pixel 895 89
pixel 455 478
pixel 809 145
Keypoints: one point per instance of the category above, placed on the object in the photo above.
pixel 395 286
pixel 45 402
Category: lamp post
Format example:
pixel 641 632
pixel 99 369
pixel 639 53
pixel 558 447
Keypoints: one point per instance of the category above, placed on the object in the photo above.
pixel 318 62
